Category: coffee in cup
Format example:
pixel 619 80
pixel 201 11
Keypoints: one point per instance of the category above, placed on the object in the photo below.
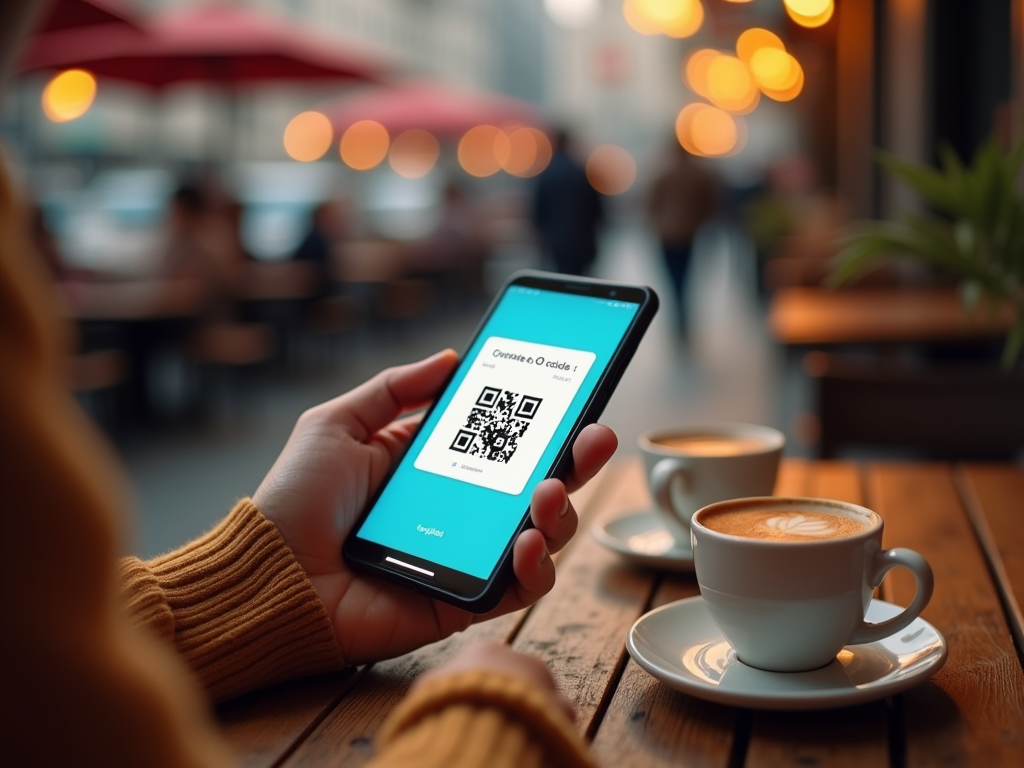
pixel 690 467
pixel 788 581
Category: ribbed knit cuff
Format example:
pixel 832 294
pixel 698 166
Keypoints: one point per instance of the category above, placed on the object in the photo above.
pixel 242 612
pixel 480 718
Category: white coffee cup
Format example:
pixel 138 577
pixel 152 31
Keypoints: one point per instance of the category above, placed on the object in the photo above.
pixel 785 595
pixel 689 467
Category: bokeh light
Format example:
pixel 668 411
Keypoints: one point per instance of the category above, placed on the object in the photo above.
pixel 695 71
pixel 675 18
pixel 708 131
pixel 572 14
pixel 308 136
pixel 482 149
pixel 69 95
pixel 752 40
pixel 687 23
pixel 787 94
pixel 774 69
pixel 730 86
pixel 611 170
pixel 414 153
pixel 810 13
pixel 364 145
pixel 529 152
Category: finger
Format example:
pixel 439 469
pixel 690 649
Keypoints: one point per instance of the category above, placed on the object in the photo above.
pixel 375 404
pixel 552 514
pixel 591 451
pixel 534 575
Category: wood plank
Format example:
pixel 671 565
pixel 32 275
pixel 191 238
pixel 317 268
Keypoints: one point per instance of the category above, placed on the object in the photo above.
pixel 994 497
pixel 650 724
pixel 264 726
pixel 579 629
pixel 793 478
pixel 345 737
pixel 852 736
pixel 972 710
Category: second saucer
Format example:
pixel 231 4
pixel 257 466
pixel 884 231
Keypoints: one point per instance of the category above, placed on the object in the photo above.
pixel 642 539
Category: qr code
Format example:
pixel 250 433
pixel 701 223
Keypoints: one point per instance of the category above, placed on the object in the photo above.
pixel 495 424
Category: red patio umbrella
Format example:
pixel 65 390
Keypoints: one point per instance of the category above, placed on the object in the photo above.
pixel 69 14
pixel 440 109
pixel 221 44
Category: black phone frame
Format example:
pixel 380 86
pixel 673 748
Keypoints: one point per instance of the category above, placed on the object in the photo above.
pixel 456 587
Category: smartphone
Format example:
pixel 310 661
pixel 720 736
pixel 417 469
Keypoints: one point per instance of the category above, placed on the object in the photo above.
pixel 541 366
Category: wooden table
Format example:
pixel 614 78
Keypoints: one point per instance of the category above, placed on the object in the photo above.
pixel 964 519
pixel 818 317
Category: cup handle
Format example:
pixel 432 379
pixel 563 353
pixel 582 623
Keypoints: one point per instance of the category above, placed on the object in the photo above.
pixel 662 475
pixel 884 561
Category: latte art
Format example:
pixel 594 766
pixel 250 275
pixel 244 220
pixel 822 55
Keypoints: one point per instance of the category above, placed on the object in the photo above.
pixel 798 523
pixel 781 524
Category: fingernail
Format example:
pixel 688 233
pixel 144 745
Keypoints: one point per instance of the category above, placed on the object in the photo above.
pixel 543 555
pixel 565 507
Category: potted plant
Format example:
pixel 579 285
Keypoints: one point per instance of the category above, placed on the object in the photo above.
pixel 975 231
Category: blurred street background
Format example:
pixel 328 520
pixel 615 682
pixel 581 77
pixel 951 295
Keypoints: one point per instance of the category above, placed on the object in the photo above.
pixel 250 207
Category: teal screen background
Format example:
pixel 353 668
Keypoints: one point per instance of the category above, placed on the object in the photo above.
pixel 478 522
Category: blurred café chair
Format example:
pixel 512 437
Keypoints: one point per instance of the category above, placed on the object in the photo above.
pixel 221 349
pixel 948 411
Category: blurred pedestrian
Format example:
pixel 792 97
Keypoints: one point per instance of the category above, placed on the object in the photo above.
pixel 681 199
pixel 327 227
pixel 567 210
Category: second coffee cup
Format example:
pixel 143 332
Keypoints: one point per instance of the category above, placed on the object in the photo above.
pixel 689 467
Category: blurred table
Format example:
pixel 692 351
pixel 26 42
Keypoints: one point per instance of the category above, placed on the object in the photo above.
pixel 964 519
pixel 819 317
pixel 133 300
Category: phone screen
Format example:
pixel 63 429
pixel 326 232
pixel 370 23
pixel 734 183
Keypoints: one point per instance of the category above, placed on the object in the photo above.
pixel 460 492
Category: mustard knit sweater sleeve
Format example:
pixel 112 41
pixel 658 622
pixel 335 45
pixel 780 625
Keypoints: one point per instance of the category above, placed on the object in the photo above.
pixel 86 683
pixel 236 605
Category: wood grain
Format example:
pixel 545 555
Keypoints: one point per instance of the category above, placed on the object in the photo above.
pixel 853 736
pixel 972 711
pixel 994 497
pixel 649 724
pixel 345 737
pixel 263 727
pixel 579 629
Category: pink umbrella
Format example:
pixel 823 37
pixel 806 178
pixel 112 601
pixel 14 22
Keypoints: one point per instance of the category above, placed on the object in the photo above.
pixel 219 44
pixel 440 109
pixel 68 14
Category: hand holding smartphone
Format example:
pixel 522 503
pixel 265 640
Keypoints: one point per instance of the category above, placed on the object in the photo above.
pixel 541 366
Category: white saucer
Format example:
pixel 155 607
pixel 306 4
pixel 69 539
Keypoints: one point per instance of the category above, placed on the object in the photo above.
pixel 642 539
pixel 680 645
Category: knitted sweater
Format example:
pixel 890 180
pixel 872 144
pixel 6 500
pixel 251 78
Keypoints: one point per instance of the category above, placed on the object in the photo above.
pixel 98 652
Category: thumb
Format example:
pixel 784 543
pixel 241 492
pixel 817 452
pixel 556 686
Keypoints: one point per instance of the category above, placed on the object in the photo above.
pixel 375 404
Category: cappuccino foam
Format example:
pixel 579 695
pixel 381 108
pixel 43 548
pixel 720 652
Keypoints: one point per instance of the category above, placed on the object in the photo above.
pixel 781 524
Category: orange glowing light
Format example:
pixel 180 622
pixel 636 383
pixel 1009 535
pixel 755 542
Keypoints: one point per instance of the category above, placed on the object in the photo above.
pixel 687 23
pixel 708 131
pixel 730 86
pixel 696 70
pixel 414 153
pixel 69 95
pixel 544 151
pixel 523 149
pixel 675 18
pixel 308 136
pixel 774 69
pixel 634 16
pixel 482 149
pixel 752 40
pixel 790 93
pixel 611 170
pixel 364 145
pixel 822 12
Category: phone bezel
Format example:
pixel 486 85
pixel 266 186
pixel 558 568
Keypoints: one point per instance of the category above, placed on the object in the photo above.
pixel 458 588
